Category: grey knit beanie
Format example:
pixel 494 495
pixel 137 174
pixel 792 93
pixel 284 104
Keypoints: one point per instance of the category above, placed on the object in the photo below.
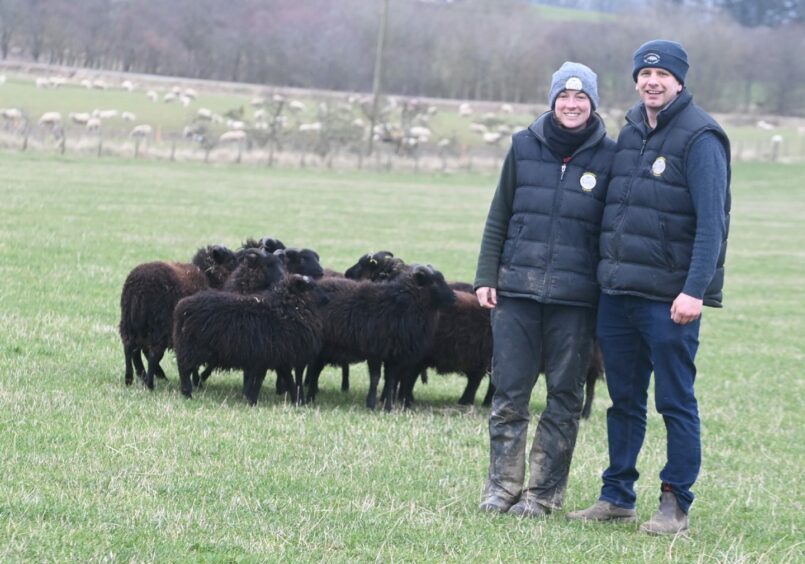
pixel 574 76
pixel 662 54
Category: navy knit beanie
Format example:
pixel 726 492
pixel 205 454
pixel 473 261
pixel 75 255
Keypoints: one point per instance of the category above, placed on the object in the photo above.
pixel 663 54
pixel 574 76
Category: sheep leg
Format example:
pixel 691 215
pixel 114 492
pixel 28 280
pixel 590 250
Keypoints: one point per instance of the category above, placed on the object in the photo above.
pixel 129 377
pixel 473 381
pixel 154 356
pixel 313 372
pixel 490 392
pixel 160 373
pixel 137 360
pixel 594 371
pixel 252 383
pixel 185 382
pixel 299 389
pixel 423 375
pixel 408 377
pixel 345 377
pixel 374 379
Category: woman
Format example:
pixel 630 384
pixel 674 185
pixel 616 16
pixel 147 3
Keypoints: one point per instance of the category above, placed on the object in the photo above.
pixel 537 270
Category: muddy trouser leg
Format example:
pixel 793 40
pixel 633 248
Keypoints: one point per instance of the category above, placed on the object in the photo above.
pixel 517 333
pixel 567 341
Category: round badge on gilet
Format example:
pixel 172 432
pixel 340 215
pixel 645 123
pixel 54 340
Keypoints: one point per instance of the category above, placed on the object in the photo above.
pixel 658 167
pixel 588 181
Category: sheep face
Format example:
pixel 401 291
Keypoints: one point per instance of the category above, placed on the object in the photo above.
pixel 426 277
pixel 257 271
pixel 301 261
pixel 217 263
pixel 375 266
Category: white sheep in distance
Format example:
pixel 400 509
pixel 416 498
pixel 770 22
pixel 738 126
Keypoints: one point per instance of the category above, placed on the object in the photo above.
pixel 128 116
pixel 421 134
pixel 765 125
pixel 190 93
pixel 506 108
pixel 141 131
pixel 232 136
pixel 99 84
pixel 169 97
pixel 235 124
pixel 93 124
pixel 50 119
pixel 296 106
pixel 79 118
pixel 104 114
pixel 492 137
pixel 86 83
pixel 42 82
pixel 11 114
pixel 127 85
pixel 465 110
pixel 478 128
pixel 257 101
pixel 2 79
pixel 57 81
pixel 311 127
pixel 152 95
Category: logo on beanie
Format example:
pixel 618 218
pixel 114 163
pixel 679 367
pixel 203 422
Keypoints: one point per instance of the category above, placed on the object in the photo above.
pixel 573 83
pixel 651 58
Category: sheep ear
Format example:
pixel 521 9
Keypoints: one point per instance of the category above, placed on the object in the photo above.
pixel 281 254
pixel 219 253
pixel 422 275
pixel 300 283
pixel 385 254
pixel 315 254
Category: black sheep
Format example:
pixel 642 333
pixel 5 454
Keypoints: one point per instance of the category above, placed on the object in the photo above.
pixel 267 244
pixel 301 261
pixel 257 271
pixel 390 323
pixel 150 293
pixel 280 330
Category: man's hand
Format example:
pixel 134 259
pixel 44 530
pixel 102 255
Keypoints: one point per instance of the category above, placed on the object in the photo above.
pixel 487 297
pixel 684 310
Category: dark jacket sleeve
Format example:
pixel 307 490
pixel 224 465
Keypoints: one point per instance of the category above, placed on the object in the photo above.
pixel 497 224
pixel 706 173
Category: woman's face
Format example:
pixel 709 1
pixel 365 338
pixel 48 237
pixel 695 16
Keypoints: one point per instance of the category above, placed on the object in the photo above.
pixel 572 109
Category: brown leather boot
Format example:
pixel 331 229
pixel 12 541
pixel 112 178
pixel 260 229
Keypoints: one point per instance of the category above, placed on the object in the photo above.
pixel 669 520
pixel 604 511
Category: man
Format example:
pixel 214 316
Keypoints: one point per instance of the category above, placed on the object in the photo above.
pixel 663 242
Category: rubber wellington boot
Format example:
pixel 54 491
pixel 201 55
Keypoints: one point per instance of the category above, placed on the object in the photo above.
pixel 528 506
pixel 669 520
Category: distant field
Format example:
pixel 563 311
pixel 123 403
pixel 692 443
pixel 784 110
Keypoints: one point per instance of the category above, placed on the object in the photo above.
pixel 749 141
pixel 94 471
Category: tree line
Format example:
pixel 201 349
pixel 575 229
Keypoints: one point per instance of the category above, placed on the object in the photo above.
pixel 473 49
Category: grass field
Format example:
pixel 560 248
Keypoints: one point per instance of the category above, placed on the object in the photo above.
pixel 94 471
pixel 749 142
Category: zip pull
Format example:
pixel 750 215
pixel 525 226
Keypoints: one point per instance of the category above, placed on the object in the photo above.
pixel 643 147
pixel 564 166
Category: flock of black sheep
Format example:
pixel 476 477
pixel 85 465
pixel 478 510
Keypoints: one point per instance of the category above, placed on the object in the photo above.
pixel 268 307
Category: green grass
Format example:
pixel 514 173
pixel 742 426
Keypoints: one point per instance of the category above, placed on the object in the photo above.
pixel 169 119
pixel 91 470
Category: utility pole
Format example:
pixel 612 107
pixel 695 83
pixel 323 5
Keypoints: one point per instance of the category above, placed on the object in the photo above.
pixel 381 40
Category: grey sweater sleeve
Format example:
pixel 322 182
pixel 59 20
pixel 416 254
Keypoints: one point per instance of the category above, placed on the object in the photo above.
pixel 497 224
pixel 706 173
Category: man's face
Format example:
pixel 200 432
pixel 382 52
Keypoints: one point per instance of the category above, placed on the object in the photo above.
pixel 657 87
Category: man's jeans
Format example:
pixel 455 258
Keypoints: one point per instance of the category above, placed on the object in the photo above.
pixel 637 336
